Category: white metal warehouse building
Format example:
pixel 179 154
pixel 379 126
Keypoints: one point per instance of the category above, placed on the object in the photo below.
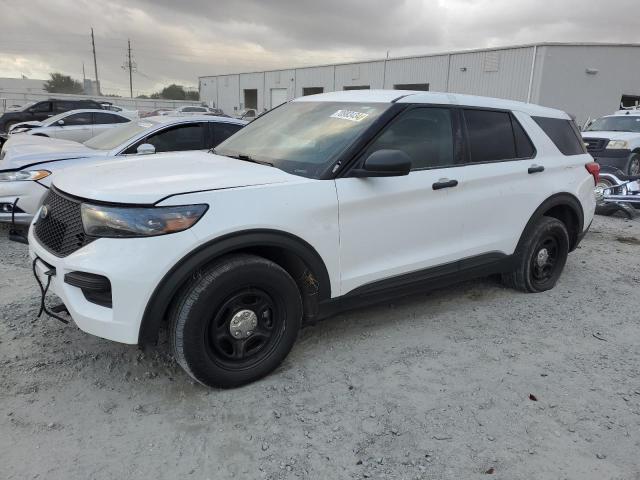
pixel 585 79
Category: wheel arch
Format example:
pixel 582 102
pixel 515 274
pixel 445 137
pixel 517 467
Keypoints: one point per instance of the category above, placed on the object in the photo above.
pixel 566 208
pixel 292 253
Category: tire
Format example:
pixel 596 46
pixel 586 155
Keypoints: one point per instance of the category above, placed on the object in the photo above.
pixel 548 242
pixel 633 165
pixel 242 295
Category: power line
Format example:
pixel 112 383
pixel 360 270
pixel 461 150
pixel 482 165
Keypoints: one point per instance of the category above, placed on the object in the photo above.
pixel 131 66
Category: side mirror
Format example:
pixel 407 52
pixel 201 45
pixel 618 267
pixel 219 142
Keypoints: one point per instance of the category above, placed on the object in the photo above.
pixel 146 149
pixel 384 163
pixel 60 122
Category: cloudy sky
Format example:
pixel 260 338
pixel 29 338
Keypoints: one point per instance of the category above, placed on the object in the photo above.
pixel 177 41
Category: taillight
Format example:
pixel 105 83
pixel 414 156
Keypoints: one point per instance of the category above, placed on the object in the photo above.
pixel 594 169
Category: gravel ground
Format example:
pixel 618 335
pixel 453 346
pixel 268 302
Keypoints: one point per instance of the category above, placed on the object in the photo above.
pixel 459 383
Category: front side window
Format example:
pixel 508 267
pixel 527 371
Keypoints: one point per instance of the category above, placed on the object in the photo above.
pixel 222 131
pixel 194 109
pixel 425 134
pixel 78 119
pixel 174 139
pixel 303 138
pixel 563 133
pixel 496 136
pixel 41 107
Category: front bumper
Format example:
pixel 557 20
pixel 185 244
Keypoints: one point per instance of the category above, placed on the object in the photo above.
pixel 134 267
pixel 29 194
pixel 613 158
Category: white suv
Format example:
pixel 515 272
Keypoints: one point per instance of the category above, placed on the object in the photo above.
pixel 323 203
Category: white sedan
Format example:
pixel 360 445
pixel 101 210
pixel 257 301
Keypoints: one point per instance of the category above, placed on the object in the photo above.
pixel 29 164
pixel 76 125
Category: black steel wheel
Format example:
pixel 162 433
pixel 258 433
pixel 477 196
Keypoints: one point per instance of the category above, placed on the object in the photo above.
pixel 633 167
pixel 236 321
pixel 541 257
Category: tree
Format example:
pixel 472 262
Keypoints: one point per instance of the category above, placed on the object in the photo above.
pixel 192 95
pixel 60 83
pixel 143 96
pixel 173 92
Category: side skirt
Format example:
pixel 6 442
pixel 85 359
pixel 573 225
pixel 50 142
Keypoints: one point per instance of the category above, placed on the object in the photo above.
pixel 418 282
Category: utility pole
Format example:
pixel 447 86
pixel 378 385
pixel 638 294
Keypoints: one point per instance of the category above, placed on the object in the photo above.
pixel 95 62
pixel 130 65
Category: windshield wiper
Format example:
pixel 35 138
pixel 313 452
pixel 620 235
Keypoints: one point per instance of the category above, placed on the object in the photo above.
pixel 247 158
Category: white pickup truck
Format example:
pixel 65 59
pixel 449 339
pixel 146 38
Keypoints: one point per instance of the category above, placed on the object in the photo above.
pixel 614 141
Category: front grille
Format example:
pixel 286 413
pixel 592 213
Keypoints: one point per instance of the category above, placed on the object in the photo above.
pixel 60 231
pixel 596 144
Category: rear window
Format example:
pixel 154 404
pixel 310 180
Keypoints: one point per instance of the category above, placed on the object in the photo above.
pixel 495 136
pixel 563 133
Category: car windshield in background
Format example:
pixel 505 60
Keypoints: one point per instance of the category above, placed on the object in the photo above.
pixel 118 135
pixel 616 124
pixel 302 138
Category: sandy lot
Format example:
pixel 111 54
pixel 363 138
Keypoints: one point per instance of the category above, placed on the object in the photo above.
pixel 440 385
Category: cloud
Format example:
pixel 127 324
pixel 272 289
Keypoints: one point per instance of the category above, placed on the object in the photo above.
pixel 179 41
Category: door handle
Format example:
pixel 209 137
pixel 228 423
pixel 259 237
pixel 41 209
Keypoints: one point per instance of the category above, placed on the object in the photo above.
pixel 536 169
pixel 444 183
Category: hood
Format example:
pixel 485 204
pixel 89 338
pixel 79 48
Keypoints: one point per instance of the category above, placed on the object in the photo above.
pixel 147 179
pixel 31 124
pixel 612 135
pixel 21 151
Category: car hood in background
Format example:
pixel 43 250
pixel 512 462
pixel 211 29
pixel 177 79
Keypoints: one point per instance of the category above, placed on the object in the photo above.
pixel 21 151
pixel 149 178
pixel 612 135
pixel 30 124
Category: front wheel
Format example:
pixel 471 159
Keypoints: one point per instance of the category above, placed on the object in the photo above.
pixel 236 321
pixel 542 257
pixel 633 166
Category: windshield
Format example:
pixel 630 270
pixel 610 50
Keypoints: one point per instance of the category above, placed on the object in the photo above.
pixel 118 135
pixel 302 138
pixel 26 106
pixel 616 124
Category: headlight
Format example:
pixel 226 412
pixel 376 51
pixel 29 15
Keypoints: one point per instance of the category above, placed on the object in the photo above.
pixel 105 221
pixel 618 144
pixel 24 175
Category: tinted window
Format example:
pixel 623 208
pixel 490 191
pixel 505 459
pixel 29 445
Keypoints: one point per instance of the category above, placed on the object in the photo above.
pixel 78 119
pixel 490 136
pixel 563 133
pixel 222 131
pixel 103 118
pixel 194 109
pixel 65 106
pixel 425 134
pixel 524 147
pixel 41 107
pixel 181 137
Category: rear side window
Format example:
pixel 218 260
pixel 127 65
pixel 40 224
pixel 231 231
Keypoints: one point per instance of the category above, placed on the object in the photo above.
pixel 495 136
pixel 104 118
pixel 563 133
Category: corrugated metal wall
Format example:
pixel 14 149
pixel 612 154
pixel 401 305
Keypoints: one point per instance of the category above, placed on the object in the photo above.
pixel 559 80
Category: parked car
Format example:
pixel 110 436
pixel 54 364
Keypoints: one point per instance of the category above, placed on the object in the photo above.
pixel 76 125
pixel 192 110
pixel 155 113
pixel 122 111
pixel 614 141
pixel 42 110
pixel 320 204
pixel 28 164
pixel 247 114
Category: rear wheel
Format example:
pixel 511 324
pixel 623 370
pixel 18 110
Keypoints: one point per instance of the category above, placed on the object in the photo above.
pixel 235 322
pixel 542 257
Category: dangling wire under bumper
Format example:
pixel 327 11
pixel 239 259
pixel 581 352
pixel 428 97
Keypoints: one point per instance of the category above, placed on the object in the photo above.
pixel 50 272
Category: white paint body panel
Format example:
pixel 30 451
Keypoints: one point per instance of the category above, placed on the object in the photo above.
pixel 364 230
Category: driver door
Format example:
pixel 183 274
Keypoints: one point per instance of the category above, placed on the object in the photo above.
pixel 391 226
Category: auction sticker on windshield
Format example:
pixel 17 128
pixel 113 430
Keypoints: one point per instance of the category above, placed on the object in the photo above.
pixel 350 115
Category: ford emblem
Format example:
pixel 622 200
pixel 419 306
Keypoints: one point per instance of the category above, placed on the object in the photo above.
pixel 44 212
